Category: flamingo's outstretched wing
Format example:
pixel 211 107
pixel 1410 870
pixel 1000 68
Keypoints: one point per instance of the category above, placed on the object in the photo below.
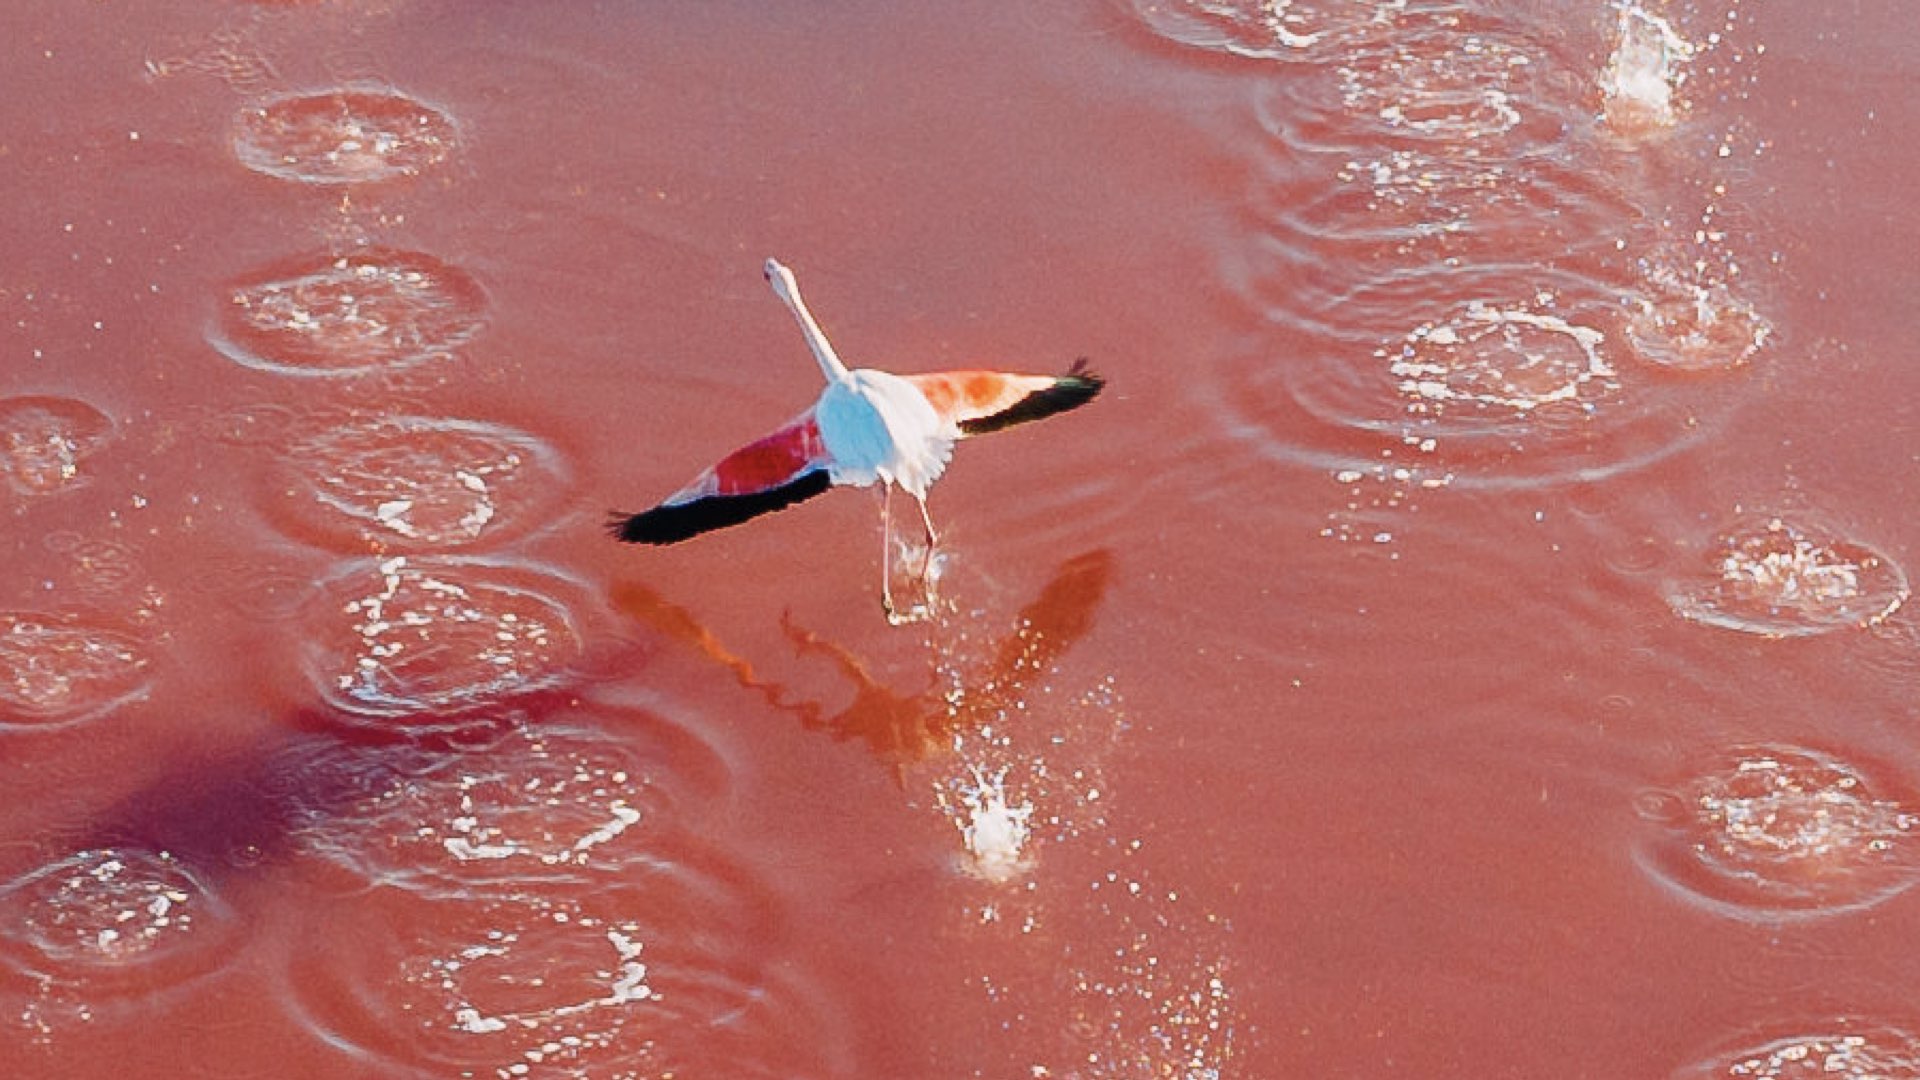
pixel 981 401
pixel 766 475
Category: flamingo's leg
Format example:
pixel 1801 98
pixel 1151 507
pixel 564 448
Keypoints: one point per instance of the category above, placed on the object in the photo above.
pixel 926 561
pixel 886 546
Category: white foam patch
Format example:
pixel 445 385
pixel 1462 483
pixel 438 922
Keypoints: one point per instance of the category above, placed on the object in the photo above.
pixel 44 439
pixel 393 515
pixel 1802 572
pixel 1275 16
pixel 624 818
pixel 631 985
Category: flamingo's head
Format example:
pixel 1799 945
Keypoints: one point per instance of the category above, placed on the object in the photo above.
pixel 782 281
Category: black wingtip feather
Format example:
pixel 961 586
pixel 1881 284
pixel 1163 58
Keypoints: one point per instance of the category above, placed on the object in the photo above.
pixel 670 524
pixel 1070 391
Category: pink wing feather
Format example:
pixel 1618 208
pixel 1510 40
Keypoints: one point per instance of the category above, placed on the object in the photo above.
pixel 792 463
pixel 768 474
pixel 977 402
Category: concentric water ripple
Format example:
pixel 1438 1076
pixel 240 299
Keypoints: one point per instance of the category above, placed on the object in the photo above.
pixel 437 635
pixel 1260 29
pixel 661 973
pixel 543 803
pixel 1847 1052
pixel 113 923
pixel 373 310
pixel 1290 29
pixel 1444 78
pixel 540 904
pixel 43 440
pixel 1507 361
pixel 1494 376
pixel 1783 832
pixel 1448 85
pixel 56 671
pixel 1419 139
pixel 96 566
pixel 1780 577
pixel 343 137
pixel 1461 351
pixel 407 483
pixel 1395 206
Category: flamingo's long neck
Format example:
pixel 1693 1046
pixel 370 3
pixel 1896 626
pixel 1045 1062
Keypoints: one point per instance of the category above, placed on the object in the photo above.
pixel 788 290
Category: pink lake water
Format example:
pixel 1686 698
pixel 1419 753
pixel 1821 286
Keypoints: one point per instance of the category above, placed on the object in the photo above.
pixel 1468 637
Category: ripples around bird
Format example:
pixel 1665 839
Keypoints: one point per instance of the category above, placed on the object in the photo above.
pixel 1451 245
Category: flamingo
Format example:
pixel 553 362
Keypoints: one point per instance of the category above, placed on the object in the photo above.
pixel 868 427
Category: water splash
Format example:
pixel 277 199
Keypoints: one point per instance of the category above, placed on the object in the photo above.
pixel 343 137
pixel 1686 320
pixel 1644 74
pixel 1780 577
pixel 995 832
pixel 43 441
pixel 63 670
pixel 1847 1052
pixel 1784 832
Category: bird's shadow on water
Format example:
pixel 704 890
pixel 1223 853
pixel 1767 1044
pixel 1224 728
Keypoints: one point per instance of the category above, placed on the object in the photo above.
pixel 236 809
pixel 958 696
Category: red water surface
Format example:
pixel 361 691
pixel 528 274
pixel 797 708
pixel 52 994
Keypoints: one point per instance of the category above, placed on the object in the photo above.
pixel 1467 638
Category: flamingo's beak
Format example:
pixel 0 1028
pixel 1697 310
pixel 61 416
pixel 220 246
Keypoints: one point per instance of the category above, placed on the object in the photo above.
pixel 781 279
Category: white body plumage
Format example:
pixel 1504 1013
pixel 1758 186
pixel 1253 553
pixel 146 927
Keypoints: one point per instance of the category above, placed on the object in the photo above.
pixel 878 427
